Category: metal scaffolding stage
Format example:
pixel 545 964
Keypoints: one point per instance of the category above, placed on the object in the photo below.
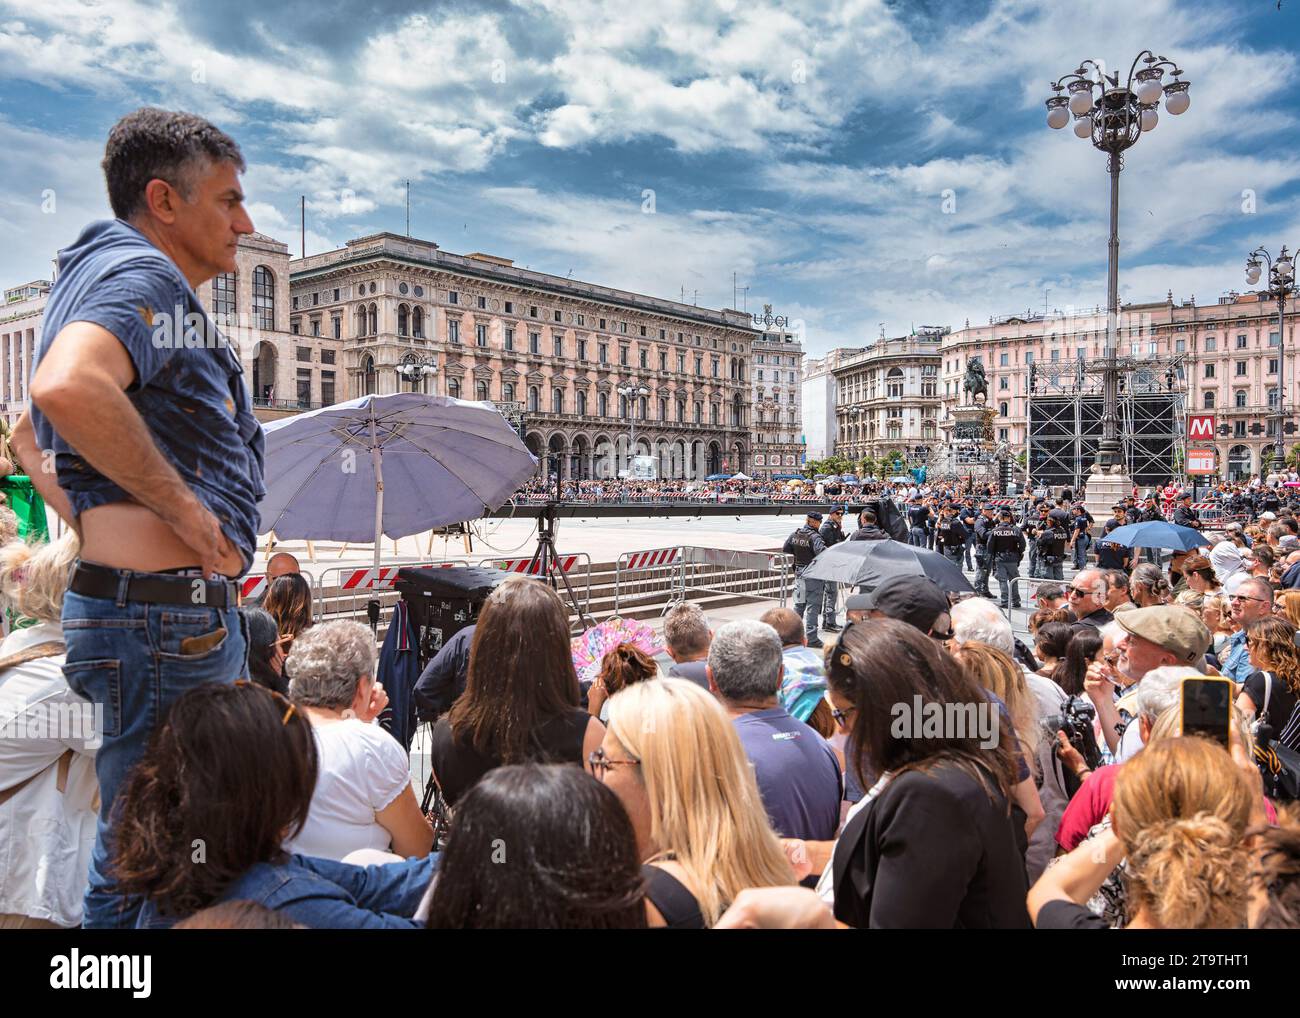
pixel 1064 419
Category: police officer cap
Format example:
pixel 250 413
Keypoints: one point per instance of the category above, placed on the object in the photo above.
pixel 988 507
pixel 815 516
pixel 1185 495
pixel 836 509
pixel 1005 511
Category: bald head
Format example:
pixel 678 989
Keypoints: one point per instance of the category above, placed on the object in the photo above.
pixel 281 564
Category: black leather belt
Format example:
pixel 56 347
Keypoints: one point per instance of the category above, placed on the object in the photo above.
pixel 93 580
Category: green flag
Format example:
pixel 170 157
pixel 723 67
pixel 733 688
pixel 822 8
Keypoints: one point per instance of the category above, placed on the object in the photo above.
pixel 27 505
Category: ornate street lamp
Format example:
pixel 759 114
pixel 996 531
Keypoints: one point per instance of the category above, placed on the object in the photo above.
pixel 1113 116
pixel 415 369
pixel 632 392
pixel 1281 285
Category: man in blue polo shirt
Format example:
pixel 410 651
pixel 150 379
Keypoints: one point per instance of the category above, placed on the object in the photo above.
pixel 139 404
pixel 798 774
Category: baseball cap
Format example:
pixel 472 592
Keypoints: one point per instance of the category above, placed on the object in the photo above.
pixel 1268 516
pixel 814 516
pixel 1169 626
pixel 916 600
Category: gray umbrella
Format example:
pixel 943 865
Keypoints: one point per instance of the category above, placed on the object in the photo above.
pixel 870 563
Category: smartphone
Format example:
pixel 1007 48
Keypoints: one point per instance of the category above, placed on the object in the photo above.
pixel 1206 706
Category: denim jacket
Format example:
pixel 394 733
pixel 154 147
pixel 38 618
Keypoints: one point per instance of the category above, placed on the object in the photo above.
pixel 324 894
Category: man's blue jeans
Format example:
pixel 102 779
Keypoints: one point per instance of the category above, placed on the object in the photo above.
pixel 127 656
pixel 1081 544
pixel 809 594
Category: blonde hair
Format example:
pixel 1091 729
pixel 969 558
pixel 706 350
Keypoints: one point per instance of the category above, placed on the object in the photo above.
pixel 1290 601
pixel 705 809
pixel 1181 808
pixel 997 673
pixel 34 577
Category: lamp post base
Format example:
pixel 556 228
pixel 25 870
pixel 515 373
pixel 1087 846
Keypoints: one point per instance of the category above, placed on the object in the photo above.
pixel 1106 486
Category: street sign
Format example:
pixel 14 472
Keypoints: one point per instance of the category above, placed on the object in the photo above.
pixel 1200 427
pixel 1202 461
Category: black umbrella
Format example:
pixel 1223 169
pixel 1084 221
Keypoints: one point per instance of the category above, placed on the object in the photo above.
pixel 870 563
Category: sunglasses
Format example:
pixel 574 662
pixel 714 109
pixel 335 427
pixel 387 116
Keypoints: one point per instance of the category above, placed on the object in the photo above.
pixel 600 762
pixel 1246 597
pixel 841 716
pixel 1079 592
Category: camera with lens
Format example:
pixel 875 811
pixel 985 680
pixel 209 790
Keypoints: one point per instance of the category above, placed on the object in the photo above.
pixel 1076 721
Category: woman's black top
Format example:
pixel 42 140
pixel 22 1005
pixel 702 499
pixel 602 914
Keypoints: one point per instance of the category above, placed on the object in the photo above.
pixel 1281 704
pixel 672 898
pixel 934 850
pixel 458 765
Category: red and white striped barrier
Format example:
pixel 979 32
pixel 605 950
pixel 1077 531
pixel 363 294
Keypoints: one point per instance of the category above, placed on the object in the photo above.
pixel 252 586
pixel 385 577
pixel 1002 501
pixel 521 565
pixel 646 559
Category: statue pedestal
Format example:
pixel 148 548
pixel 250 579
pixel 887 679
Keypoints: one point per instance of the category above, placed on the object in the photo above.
pixel 969 444
pixel 1105 488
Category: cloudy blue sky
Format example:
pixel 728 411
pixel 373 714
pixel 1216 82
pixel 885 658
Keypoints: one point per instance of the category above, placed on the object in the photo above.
pixel 805 146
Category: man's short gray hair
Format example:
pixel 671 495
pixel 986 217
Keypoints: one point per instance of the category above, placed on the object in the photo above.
pixel 1161 689
pixel 327 662
pixel 686 630
pixel 978 620
pixel 745 659
pixel 1260 586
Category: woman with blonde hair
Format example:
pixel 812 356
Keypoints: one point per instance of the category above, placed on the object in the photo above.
pixel 1181 811
pixel 1002 677
pixel 48 738
pixel 674 759
pixel 1288 601
pixel 1217 616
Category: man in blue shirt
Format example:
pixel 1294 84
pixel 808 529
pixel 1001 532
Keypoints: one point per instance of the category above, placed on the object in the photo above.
pixel 141 436
pixel 797 772
pixel 1252 600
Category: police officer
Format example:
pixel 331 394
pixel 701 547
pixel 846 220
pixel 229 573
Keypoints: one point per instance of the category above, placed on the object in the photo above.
pixel 1184 514
pixel 805 544
pixel 832 533
pixel 1006 546
pixel 1150 513
pixel 1033 529
pixel 1052 535
pixel 983 525
pixel 918 517
pixel 1080 535
pixel 968 514
pixel 950 535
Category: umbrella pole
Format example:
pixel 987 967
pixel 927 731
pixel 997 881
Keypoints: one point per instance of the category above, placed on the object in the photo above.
pixel 377 458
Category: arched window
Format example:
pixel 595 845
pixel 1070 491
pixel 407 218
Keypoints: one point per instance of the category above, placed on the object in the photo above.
pixel 894 383
pixel 453 388
pixel 643 408
pixel 508 392
pixel 713 413
pixel 368 376
pixel 403 318
pixel 533 397
pixel 361 320
pixel 481 391
pixel 1207 401
pixel 1241 399
pixel 557 401
pixel 374 319
pixel 681 411
pixel 582 404
pixel 602 404
pixel 264 297
pixel 224 299
pixel 699 412
pixel 417 322
pixel 622 407
pixel 1003 408
pixel 737 411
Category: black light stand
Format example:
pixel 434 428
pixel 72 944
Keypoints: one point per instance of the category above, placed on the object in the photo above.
pixel 545 561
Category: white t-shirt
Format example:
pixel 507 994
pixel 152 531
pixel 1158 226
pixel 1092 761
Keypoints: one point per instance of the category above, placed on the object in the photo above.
pixel 362 770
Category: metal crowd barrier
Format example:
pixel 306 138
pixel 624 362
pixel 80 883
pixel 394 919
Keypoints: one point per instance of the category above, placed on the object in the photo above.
pixel 253 586
pixel 342 591
pixel 750 573
pixel 653 574
pixel 575 565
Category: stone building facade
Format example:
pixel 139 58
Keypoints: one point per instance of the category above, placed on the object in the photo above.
pixel 778 441
pixel 1227 357
pixel 484 329
pixel 21 317
pixel 887 398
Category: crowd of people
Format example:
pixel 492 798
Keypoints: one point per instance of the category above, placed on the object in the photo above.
pixel 923 768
